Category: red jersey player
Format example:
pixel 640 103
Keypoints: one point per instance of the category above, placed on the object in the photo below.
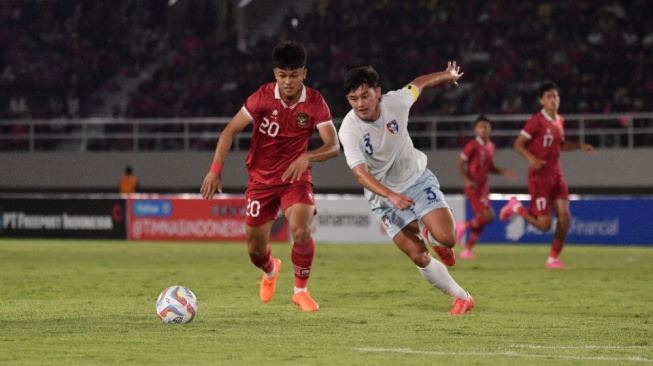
pixel 285 115
pixel 474 164
pixel 540 142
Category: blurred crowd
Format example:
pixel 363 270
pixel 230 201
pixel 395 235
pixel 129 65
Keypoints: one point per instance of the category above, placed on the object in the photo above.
pixel 58 54
pixel 599 52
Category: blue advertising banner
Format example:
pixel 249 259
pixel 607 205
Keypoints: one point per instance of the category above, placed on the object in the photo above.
pixel 595 220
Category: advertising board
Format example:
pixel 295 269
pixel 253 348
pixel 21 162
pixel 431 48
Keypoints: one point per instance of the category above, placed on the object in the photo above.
pixel 83 218
pixel 191 218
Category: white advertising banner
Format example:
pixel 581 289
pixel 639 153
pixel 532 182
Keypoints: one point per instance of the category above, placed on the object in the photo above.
pixel 348 219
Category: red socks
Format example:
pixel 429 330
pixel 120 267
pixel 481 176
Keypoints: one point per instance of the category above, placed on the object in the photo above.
pixel 264 261
pixel 556 248
pixel 302 260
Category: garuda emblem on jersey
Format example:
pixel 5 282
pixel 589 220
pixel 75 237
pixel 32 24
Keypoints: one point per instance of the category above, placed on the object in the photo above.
pixel 393 126
pixel 302 119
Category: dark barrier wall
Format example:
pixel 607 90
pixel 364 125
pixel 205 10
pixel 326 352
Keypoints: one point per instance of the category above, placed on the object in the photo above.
pixel 618 169
pixel 63 218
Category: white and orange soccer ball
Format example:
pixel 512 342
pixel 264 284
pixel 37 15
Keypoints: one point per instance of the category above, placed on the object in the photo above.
pixel 176 305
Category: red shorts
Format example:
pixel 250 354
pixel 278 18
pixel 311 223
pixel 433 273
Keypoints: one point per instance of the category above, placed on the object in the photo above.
pixel 263 202
pixel 479 198
pixel 544 190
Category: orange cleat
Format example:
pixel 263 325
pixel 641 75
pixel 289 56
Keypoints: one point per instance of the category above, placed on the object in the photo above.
pixel 269 285
pixel 461 306
pixel 304 300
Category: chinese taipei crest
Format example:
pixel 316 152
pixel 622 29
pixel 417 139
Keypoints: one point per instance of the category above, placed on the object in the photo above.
pixel 393 126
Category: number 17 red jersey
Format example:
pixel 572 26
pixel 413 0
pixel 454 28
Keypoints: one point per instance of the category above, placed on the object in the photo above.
pixel 546 136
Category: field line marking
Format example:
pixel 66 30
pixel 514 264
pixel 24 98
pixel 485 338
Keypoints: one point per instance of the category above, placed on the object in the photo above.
pixel 506 354
pixel 532 346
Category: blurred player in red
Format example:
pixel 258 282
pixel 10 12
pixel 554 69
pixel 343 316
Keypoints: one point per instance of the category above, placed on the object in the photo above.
pixel 540 142
pixel 285 115
pixel 476 161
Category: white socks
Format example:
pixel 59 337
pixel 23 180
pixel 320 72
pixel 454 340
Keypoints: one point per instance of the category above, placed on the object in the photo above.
pixel 437 275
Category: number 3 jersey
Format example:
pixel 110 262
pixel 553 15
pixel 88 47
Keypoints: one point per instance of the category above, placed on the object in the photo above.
pixel 384 145
pixel 545 135
pixel 281 133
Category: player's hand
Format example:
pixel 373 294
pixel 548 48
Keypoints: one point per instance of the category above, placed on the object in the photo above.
pixel 510 174
pixel 454 72
pixel 212 181
pixel 470 183
pixel 587 147
pixel 296 169
pixel 400 201
pixel 537 164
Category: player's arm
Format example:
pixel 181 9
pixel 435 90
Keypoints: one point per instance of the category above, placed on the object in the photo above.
pixel 367 180
pixel 451 74
pixel 213 179
pixel 330 148
pixel 462 171
pixel 569 146
pixel 521 146
pixel 503 171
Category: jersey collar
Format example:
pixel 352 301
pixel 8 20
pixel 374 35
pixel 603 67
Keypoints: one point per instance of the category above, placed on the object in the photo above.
pixel 546 115
pixel 480 141
pixel 277 95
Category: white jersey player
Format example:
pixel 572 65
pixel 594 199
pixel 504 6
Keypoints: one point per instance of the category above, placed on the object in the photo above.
pixel 404 195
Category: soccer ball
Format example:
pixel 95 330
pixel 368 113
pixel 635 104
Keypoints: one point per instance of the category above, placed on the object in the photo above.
pixel 176 305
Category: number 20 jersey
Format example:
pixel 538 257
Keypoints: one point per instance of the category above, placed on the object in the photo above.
pixel 281 133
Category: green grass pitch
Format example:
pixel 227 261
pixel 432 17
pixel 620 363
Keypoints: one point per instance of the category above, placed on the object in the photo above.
pixel 93 303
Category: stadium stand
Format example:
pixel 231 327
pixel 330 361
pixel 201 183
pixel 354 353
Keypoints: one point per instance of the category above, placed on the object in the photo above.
pixel 59 55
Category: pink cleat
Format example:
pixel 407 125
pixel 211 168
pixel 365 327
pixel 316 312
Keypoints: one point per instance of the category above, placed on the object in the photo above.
pixel 467 254
pixel 509 209
pixel 555 264
pixel 461 306
pixel 460 231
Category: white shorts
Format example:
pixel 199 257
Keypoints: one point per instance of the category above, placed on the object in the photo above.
pixel 427 196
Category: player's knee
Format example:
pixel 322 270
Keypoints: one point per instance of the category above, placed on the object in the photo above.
pixel 448 239
pixel 564 218
pixel 256 251
pixel 301 234
pixel 421 259
pixel 543 225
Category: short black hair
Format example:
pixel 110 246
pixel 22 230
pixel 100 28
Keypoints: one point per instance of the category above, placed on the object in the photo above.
pixel 289 55
pixel 481 117
pixel 364 75
pixel 128 170
pixel 545 87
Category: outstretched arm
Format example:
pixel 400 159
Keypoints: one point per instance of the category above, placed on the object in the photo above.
pixel 569 146
pixel 213 180
pixel 503 171
pixel 451 74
